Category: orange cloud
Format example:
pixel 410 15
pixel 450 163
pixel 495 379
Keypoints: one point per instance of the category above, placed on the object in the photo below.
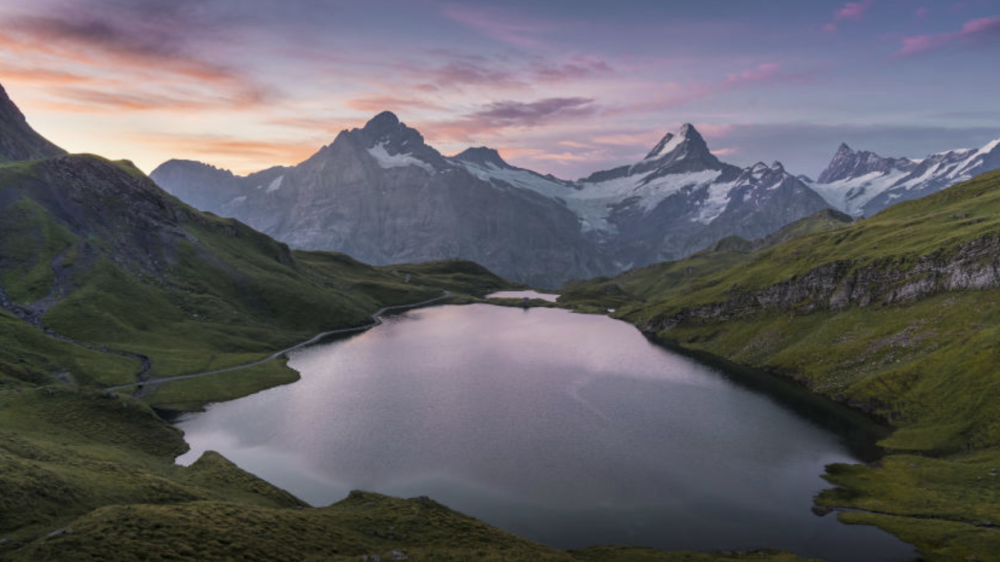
pixel 39 76
pixel 142 65
pixel 242 155
pixel 628 139
pixel 379 103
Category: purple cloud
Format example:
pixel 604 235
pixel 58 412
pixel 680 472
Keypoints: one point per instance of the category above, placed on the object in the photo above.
pixel 151 59
pixel 500 115
pixel 853 10
pixel 497 25
pixel 576 69
pixel 761 73
pixel 521 114
pixel 973 32
pixel 470 73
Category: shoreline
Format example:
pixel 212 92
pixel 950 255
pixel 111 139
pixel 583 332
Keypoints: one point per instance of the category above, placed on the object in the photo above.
pixel 145 387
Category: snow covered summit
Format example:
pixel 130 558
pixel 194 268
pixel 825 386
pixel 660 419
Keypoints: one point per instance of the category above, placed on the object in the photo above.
pixel 864 183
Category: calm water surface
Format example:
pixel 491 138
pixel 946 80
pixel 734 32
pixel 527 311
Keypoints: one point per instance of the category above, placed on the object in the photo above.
pixel 568 429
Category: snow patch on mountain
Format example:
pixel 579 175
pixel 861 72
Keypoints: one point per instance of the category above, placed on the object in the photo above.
pixel 716 203
pixel 275 184
pixel 593 202
pixel 851 194
pixel 672 143
pixel 386 160
pixel 520 178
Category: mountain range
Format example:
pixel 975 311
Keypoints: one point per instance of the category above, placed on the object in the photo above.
pixel 381 194
pixel 862 183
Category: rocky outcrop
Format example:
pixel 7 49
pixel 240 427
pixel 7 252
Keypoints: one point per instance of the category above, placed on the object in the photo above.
pixel 848 164
pixel 836 285
pixel 18 141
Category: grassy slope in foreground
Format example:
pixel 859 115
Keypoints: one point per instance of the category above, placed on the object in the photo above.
pixel 899 315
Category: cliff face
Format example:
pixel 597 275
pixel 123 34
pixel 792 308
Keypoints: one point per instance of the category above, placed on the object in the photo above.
pixel 18 141
pixel 974 265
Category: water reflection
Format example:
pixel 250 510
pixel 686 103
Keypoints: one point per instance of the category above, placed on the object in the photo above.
pixel 568 429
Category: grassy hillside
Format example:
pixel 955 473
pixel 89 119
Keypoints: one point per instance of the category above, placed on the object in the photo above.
pixel 93 250
pixel 897 315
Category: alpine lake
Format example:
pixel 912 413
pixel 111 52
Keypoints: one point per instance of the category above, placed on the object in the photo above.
pixel 568 429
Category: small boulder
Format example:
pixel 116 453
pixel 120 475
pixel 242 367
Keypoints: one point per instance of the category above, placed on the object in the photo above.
pixel 821 510
pixel 59 533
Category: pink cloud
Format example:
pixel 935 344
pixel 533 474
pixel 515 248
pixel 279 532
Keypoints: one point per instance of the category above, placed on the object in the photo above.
pixel 375 103
pixel 573 144
pixel 853 10
pixel 919 44
pixel 461 71
pixel 498 116
pixel 973 32
pixel 576 69
pixel 728 151
pixel 830 28
pixel 981 25
pixel 672 94
pixel 921 13
pixel 152 70
pixel 647 138
pixel 469 73
pixel 494 24
pixel 760 73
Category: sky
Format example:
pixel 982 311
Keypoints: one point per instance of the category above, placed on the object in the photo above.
pixel 565 87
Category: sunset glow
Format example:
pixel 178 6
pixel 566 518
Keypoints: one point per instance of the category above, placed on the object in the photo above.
pixel 564 87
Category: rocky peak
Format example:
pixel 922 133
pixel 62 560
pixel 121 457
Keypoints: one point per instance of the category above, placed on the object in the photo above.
pixel 386 129
pixel 687 143
pixel 762 174
pixel 848 164
pixel 482 156
pixel 682 152
pixel 382 124
pixel 18 141
pixel 385 136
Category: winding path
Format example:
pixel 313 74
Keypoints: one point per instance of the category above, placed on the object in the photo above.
pixel 32 314
pixel 145 386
